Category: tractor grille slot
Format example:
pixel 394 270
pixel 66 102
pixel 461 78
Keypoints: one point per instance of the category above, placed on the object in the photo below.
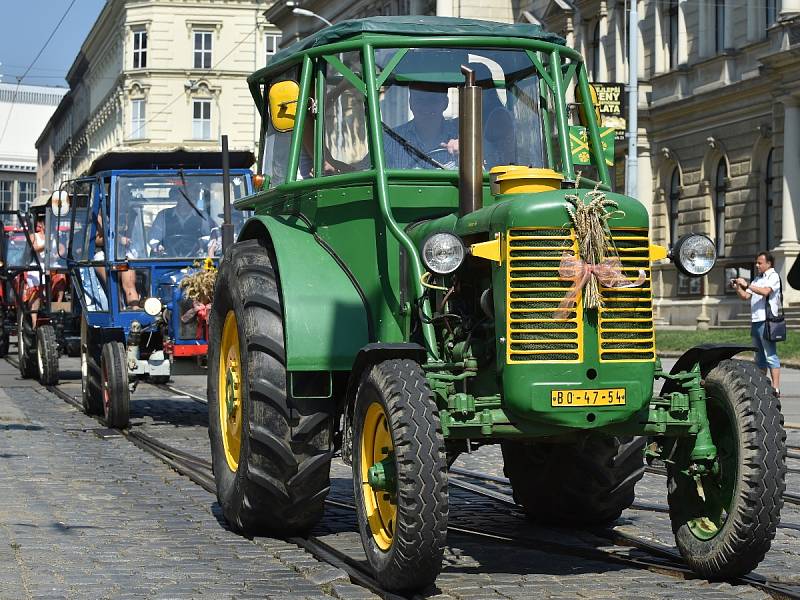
pixel 626 320
pixel 534 293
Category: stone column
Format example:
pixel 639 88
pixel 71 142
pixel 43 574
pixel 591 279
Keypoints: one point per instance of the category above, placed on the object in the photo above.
pixel 683 36
pixel 789 8
pixel 601 46
pixel 789 248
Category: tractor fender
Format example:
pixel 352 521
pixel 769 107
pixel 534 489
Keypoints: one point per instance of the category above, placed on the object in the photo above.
pixel 707 356
pixel 369 355
pixel 325 314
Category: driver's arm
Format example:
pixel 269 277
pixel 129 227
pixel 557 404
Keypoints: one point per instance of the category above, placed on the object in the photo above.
pixel 156 235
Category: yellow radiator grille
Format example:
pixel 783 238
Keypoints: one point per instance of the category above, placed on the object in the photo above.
pixel 626 319
pixel 533 294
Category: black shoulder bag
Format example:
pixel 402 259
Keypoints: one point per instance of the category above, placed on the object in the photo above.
pixel 775 330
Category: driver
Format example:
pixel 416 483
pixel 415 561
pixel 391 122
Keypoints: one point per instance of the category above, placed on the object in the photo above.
pixel 177 231
pixel 428 134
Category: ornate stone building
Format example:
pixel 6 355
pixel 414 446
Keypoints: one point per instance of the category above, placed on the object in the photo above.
pixel 159 75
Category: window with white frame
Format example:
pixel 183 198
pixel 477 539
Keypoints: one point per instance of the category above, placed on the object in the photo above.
pixel 720 188
pixel 201 119
pixel 137 119
pixel 719 26
pixel 672 37
pixel 674 199
pixel 6 194
pixel 594 44
pixel 271 43
pixel 771 12
pixel 202 49
pixel 139 49
pixel 27 193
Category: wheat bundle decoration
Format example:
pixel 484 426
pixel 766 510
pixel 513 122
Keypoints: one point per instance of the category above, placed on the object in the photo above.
pixel 199 285
pixel 598 263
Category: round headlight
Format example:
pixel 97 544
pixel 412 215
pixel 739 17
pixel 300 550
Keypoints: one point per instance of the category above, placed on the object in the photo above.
pixel 153 306
pixel 443 253
pixel 694 255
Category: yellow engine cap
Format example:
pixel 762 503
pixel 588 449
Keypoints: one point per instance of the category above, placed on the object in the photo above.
pixel 515 179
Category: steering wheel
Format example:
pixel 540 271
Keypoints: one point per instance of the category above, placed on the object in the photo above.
pixel 448 161
pixel 181 244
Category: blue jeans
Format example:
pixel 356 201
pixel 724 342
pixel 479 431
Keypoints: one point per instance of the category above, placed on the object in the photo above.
pixel 766 351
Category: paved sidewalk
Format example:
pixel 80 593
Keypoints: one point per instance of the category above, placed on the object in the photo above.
pixel 84 517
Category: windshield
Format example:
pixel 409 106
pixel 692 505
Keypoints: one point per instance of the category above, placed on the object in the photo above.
pixel 17 249
pixel 173 215
pixel 419 107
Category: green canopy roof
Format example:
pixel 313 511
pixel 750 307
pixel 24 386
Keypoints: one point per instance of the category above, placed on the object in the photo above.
pixel 417 26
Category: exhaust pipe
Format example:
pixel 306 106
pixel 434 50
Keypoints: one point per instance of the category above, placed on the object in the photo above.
pixel 470 144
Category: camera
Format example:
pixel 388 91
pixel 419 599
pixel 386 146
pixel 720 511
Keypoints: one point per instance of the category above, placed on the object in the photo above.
pixel 733 283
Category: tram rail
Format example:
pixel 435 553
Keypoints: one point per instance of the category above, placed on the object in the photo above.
pixel 662 559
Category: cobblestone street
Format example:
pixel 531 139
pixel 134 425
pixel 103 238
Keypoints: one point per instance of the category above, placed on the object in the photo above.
pixel 86 514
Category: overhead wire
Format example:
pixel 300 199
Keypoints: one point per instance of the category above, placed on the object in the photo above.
pixel 30 66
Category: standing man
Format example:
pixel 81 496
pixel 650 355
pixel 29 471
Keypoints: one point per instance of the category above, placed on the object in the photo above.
pixel 764 288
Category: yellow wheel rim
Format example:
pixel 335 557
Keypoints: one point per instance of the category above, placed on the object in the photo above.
pixel 230 391
pixel 380 506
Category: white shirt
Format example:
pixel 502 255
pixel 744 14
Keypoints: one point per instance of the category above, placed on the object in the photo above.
pixel 758 303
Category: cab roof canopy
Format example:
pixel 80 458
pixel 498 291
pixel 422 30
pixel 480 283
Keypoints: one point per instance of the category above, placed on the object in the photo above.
pixel 416 26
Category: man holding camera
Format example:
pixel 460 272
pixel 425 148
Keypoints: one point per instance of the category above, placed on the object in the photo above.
pixel 764 288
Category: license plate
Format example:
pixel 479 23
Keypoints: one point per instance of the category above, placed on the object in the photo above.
pixel 606 397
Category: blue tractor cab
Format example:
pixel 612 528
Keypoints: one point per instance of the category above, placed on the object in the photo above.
pixel 138 235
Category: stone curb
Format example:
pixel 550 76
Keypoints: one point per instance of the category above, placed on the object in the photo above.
pixel 790 363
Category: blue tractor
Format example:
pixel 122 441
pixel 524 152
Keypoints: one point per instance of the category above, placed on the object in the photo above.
pixel 137 234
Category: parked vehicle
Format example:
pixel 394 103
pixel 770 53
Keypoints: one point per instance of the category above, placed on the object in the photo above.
pixel 15 253
pixel 385 304
pixel 137 234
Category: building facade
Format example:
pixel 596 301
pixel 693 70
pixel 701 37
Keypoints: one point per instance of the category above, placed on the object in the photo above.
pixel 719 129
pixel 159 75
pixel 24 109
pixel 718 144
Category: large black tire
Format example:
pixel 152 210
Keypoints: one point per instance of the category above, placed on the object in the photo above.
pixel 742 404
pixel 47 354
pixel 4 342
pixel 417 537
pixel 114 378
pixel 158 379
pixel 26 346
pixel 91 387
pixel 585 484
pixel 282 468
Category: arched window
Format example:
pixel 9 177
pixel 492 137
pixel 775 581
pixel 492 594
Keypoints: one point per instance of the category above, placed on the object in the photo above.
pixel 672 40
pixel 769 207
pixel 719 205
pixel 719 26
pixel 674 197
pixel 595 48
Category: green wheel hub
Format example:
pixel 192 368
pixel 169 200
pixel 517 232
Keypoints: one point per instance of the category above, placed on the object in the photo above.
pixel 382 476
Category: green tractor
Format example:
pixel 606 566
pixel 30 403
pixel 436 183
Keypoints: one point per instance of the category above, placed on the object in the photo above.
pixel 436 261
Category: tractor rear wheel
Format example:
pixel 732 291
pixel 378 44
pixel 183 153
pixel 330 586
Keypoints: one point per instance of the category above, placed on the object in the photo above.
pixel 271 453
pixel 400 475
pixel 726 531
pixel 26 346
pixel 4 340
pixel 114 377
pixel 91 388
pixel 47 354
pixel 582 485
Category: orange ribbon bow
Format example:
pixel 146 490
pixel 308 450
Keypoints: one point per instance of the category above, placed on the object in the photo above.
pixel 608 274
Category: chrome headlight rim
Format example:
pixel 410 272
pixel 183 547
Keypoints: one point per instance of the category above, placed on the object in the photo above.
pixel 459 244
pixel 153 306
pixel 677 254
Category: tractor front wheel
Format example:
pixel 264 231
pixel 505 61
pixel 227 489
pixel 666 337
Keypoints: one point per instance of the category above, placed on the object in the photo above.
pixel 26 347
pixel 270 452
pixel 91 392
pixel 585 484
pixel 116 393
pixel 724 521
pixel 47 354
pixel 400 475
